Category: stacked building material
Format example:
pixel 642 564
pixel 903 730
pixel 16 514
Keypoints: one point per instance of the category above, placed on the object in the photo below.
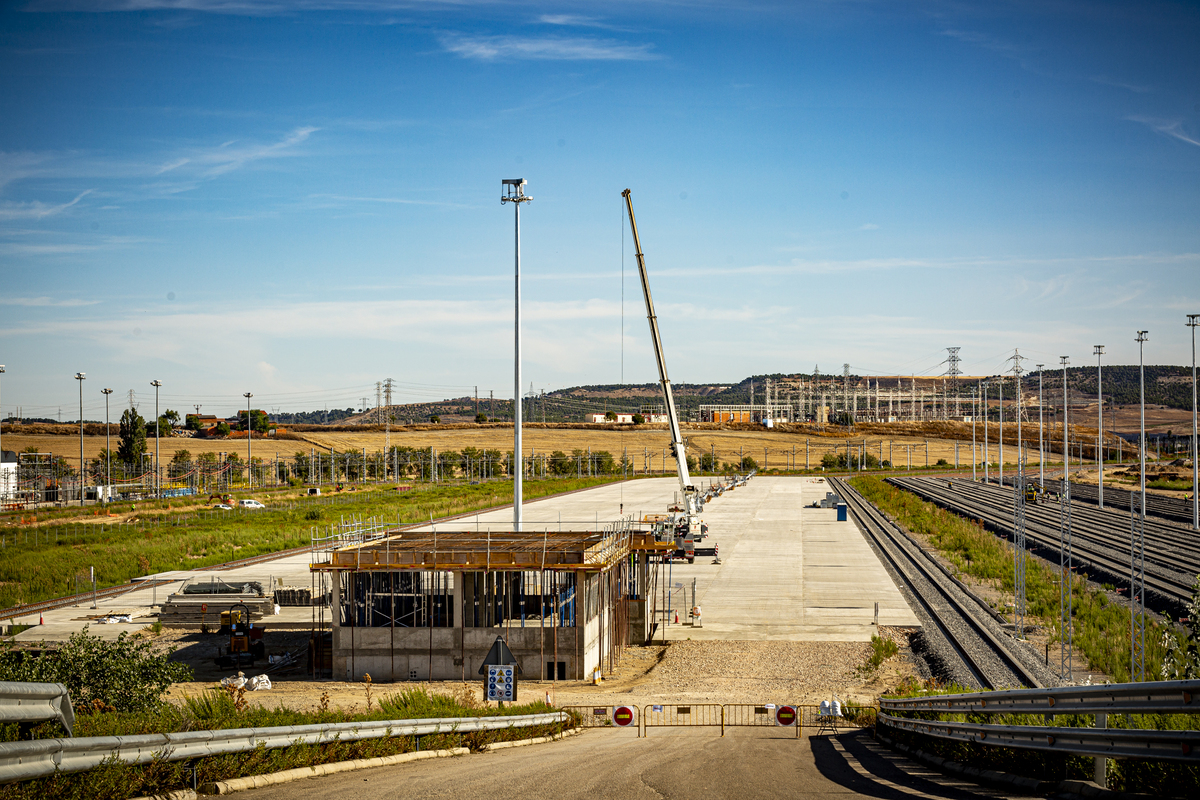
pixel 194 609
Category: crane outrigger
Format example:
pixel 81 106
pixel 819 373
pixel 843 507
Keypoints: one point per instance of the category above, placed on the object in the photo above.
pixel 686 525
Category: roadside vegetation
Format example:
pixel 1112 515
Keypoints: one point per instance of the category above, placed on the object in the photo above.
pixel 40 563
pixel 117 689
pixel 1101 627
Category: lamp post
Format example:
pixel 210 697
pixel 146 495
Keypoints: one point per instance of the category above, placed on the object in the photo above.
pixel 1141 340
pixel 1137 576
pixel 107 447
pixel 1191 323
pixel 1065 360
pixel 249 437
pixel 514 192
pixel 81 377
pixel 1098 350
pixel 1000 380
pixel 1041 450
pixel 986 455
pixel 157 431
pixel 974 416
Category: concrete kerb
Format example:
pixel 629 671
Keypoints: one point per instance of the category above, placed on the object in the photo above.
pixel 1004 780
pixel 258 781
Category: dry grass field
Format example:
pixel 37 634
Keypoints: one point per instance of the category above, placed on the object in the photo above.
pixel 771 449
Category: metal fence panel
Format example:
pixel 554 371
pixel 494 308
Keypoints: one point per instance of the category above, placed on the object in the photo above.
pixel 36 702
pixel 36 759
pixel 761 715
pixel 683 716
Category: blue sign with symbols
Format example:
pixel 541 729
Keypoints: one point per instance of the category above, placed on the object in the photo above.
pixel 501 683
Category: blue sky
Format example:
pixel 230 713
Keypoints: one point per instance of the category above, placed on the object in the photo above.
pixel 301 199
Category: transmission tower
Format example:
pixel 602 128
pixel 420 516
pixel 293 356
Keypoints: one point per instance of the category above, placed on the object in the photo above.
pixel 387 416
pixel 952 372
pixel 846 390
pixel 378 401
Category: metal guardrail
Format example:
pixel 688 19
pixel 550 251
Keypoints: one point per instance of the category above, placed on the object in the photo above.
pixel 36 702
pixel 21 761
pixel 1102 742
pixel 1158 697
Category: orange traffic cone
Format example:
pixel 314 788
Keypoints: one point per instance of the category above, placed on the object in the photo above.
pixel 676 617
pixel 42 621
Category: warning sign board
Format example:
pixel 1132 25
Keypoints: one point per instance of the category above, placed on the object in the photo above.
pixel 501 683
pixel 624 716
pixel 785 716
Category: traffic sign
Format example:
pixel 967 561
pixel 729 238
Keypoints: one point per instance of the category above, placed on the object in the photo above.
pixel 785 716
pixel 501 683
pixel 624 716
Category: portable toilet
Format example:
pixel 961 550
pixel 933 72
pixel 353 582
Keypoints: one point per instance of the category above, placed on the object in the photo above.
pixel 841 512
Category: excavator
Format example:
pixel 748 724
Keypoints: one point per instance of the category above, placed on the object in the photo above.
pixel 683 522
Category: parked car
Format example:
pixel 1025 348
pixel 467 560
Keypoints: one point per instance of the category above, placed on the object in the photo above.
pixel 223 507
pixel 250 504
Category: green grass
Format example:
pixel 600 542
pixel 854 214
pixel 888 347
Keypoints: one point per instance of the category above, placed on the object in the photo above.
pixel 1101 629
pixel 31 572
pixel 881 650
pixel 218 710
pixel 1175 486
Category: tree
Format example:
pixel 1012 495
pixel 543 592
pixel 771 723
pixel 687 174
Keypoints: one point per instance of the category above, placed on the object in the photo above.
pixel 132 437
pixel 181 458
pixel 192 423
pixel 435 419
pixel 610 416
pixel 259 419
pixel 748 464
pixel 638 419
pixel 223 428
pixel 481 417
pixel 708 462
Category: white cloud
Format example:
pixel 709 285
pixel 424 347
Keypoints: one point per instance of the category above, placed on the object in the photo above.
pixel 1167 127
pixel 37 209
pixel 44 302
pixel 550 48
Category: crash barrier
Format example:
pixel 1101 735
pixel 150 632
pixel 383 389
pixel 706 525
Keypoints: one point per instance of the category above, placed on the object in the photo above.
pixel 722 716
pixel 20 761
pixel 23 703
pixel 1098 740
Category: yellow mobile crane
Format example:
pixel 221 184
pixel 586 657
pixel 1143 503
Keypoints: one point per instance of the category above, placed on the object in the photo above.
pixel 685 523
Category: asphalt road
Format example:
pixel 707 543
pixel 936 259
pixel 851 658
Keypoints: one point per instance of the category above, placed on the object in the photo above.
pixel 694 764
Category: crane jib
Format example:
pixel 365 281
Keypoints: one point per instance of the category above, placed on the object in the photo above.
pixel 677 445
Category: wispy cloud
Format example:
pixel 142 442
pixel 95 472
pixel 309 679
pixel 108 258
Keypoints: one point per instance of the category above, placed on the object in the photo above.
pixel 1132 87
pixel 340 199
pixel 1167 127
pixel 232 155
pixel 546 48
pixel 36 209
pixel 45 302
pixel 577 21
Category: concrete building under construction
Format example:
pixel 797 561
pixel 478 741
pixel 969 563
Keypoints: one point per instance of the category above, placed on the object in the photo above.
pixel 427 605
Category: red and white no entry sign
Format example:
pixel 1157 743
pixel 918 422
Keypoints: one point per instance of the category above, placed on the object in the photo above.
pixel 785 716
pixel 623 716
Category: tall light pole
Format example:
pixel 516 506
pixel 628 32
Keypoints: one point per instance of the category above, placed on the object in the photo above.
pixel 157 431
pixel 1064 361
pixel 249 436
pixel 986 456
pixel 514 192
pixel 974 416
pixel 81 377
pixel 1191 323
pixel 1137 576
pixel 1000 379
pixel 1098 350
pixel 107 447
pixel 1041 450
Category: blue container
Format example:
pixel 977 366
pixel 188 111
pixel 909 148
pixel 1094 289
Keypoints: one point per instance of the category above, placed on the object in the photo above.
pixel 841 512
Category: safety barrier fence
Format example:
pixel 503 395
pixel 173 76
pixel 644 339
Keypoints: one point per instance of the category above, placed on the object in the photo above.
pixel 946 717
pixel 27 760
pixel 722 716
pixel 26 703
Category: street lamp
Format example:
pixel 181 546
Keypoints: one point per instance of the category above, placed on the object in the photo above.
pixel 1000 380
pixel 1065 360
pixel 1191 323
pixel 107 446
pixel 1098 350
pixel 249 436
pixel 157 431
pixel 81 377
pixel 514 192
pixel 1141 340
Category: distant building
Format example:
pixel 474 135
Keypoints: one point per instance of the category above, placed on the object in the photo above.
pixel 626 419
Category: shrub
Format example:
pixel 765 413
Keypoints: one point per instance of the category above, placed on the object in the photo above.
pixel 129 674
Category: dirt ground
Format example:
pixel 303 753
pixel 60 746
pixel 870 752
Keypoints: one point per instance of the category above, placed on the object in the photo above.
pixel 687 672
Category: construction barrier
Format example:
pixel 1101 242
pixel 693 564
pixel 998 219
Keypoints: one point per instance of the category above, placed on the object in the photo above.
pixel 683 716
pixel 606 716
pixel 729 715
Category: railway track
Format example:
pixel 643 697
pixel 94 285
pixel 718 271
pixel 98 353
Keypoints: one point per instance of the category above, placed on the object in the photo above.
pixel 1169 508
pixel 974 647
pixel 1100 538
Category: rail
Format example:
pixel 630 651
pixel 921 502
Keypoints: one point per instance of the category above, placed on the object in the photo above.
pixel 20 761
pixel 1159 697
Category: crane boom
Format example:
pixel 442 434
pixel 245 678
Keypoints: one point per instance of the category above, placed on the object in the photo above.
pixel 677 445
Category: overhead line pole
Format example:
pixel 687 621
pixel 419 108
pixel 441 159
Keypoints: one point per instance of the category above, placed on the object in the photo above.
pixel 1191 323
pixel 514 192
pixel 1041 450
pixel 1099 351
pixel 79 376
